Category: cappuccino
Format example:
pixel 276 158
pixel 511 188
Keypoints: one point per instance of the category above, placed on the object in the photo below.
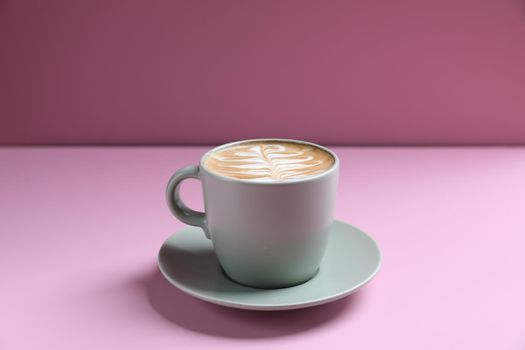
pixel 269 161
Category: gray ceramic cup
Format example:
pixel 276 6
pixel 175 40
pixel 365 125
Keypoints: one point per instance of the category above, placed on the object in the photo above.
pixel 265 234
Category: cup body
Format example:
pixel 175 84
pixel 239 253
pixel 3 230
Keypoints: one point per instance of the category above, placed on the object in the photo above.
pixel 269 235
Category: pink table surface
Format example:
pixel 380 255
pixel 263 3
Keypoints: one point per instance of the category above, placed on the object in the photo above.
pixel 80 229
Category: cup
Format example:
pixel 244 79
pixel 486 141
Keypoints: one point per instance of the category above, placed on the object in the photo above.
pixel 265 234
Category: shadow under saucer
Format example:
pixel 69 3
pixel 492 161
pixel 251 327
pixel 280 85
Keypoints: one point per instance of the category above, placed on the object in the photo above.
pixel 202 317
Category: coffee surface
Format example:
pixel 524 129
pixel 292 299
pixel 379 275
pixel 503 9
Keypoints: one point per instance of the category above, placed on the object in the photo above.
pixel 269 161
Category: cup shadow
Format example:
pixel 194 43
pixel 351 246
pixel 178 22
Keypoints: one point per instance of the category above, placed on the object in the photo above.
pixel 196 315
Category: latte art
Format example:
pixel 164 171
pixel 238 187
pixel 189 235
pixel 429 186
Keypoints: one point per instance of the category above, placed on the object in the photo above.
pixel 269 161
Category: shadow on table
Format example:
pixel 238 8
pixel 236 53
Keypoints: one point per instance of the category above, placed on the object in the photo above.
pixel 199 316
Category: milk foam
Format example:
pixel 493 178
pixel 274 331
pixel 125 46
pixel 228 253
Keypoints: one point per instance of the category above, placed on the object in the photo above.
pixel 269 161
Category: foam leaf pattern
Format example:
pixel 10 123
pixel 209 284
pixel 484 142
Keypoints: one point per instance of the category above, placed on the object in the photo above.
pixel 269 161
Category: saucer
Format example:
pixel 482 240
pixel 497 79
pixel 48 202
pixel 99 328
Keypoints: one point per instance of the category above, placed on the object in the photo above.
pixel 352 258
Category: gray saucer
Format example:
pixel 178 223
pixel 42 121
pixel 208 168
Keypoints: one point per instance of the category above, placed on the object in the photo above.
pixel 188 262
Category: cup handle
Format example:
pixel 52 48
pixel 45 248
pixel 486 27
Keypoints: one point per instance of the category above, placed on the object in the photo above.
pixel 177 206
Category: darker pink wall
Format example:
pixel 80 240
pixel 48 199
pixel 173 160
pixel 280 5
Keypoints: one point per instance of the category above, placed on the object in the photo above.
pixel 193 71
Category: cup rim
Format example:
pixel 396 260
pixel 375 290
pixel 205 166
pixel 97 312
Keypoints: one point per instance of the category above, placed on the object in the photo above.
pixel 333 169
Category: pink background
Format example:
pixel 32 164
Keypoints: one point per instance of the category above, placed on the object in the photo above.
pixel 81 228
pixel 195 71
